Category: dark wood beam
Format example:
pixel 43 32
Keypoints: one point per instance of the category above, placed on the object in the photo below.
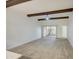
pixel 55 18
pixel 65 17
pixel 15 2
pixel 41 19
pixel 51 12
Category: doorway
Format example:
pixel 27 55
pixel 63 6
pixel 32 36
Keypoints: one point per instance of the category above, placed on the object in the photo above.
pixel 48 31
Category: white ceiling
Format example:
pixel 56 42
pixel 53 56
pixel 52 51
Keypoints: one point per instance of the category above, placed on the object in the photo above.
pixel 36 6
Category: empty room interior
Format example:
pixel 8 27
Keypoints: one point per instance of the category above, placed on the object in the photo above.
pixel 39 29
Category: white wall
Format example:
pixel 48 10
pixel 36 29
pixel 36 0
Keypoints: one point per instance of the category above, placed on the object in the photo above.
pixel 20 29
pixel 64 31
pixel 61 31
pixel 70 29
pixel 58 31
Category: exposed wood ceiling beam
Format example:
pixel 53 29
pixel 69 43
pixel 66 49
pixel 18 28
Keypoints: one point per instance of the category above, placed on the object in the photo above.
pixel 55 18
pixel 51 12
pixel 14 2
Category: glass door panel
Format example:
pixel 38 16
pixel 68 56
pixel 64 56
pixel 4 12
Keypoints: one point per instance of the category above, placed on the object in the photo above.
pixel 49 31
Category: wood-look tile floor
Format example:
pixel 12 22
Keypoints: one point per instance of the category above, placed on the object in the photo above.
pixel 46 48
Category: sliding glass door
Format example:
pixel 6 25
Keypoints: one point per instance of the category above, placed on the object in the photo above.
pixel 49 31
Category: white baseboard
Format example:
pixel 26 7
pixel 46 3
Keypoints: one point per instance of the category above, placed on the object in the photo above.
pixel 61 38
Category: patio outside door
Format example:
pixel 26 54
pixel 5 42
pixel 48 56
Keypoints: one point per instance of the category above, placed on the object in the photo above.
pixel 49 31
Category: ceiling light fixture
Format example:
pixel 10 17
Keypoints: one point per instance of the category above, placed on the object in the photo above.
pixel 47 17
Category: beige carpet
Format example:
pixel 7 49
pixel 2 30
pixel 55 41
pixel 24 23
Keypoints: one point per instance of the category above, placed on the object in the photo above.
pixel 46 48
